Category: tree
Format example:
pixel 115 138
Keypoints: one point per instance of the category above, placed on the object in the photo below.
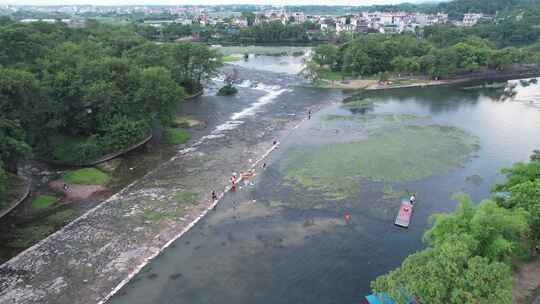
pixel 325 54
pixel 159 93
pixel 448 274
pixel 356 61
pixel 12 144
pixel 250 18
pixel 518 174
pixel 494 232
pixel 526 195
pixel 523 186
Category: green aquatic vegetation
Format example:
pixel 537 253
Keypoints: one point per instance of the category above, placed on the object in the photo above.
pixel 86 176
pixel 187 197
pixel 474 179
pixel 339 118
pixel 232 58
pixel 380 119
pixel 43 202
pixel 176 136
pixel 276 204
pixel 397 154
pixel 390 194
pixel 359 105
pixel 154 216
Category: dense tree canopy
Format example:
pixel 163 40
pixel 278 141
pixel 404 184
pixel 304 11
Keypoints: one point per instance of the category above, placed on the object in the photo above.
pixel 523 189
pixel 81 93
pixel 446 52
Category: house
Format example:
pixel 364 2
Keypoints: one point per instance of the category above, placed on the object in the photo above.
pixel 344 27
pixel 471 19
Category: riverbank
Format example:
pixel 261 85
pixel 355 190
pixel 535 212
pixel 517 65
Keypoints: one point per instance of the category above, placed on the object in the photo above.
pixel 398 83
pixel 87 260
pixel 19 189
pixel 527 283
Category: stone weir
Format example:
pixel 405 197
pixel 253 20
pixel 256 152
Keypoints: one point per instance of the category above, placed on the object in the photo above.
pixel 94 256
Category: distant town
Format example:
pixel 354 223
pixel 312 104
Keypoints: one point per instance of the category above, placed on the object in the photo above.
pixel 356 20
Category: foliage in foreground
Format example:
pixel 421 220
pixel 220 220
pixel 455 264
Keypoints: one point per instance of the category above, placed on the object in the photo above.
pixel 468 260
pixel 472 249
pixel 523 191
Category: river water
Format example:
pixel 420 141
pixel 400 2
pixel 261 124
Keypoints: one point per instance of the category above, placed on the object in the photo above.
pixel 283 238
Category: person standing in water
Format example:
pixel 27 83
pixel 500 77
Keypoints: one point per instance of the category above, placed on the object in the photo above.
pixel 348 218
pixel 309 114
pixel 214 196
pixel 412 200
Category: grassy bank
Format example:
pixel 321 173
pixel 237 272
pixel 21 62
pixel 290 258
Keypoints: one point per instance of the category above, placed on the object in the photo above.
pixel 86 176
pixel 176 136
pixel 43 202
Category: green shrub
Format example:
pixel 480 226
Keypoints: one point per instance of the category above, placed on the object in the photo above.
pixel 227 90
pixel 75 149
pixel 86 176
pixel 122 134
pixel 43 201
pixel 176 136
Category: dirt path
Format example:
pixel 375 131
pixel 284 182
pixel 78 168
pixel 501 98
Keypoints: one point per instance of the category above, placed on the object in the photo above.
pixel 527 283
pixel 76 191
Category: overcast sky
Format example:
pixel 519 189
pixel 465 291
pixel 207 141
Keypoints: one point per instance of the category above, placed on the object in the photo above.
pixel 202 2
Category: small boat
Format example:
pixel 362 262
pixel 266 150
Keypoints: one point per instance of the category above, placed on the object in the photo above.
pixel 383 298
pixel 403 217
pixel 377 299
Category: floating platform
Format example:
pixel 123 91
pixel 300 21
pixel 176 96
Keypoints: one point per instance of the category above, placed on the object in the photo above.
pixel 403 218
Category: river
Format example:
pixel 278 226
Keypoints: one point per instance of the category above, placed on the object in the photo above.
pixel 283 238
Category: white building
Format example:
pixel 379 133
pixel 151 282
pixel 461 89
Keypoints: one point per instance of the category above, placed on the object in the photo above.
pixel 184 21
pixel 340 27
pixel 471 19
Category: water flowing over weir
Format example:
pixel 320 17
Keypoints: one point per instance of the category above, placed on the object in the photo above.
pixel 90 258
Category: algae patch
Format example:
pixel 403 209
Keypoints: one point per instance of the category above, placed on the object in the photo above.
pixel 398 154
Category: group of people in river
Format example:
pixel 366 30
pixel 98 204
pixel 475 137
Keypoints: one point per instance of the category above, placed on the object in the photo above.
pixel 245 176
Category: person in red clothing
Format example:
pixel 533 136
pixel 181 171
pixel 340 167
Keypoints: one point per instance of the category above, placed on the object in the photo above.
pixel 348 217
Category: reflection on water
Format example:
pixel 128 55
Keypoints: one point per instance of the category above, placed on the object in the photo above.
pixel 274 243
